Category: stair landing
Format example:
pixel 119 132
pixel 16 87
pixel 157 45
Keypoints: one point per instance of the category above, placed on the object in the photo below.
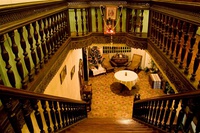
pixel 109 125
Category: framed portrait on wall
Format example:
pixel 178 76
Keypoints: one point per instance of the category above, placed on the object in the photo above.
pixel 63 74
pixel 72 72
pixel 111 12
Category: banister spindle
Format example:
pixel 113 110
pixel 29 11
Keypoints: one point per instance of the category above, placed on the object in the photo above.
pixel 46 115
pixel 54 33
pixel 53 117
pixel 45 22
pixel 190 52
pixel 25 53
pixel 66 114
pixel 178 47
pixel 196 64
pixel 37 114
pixel 135 21
pixel 166 32
pixel 158 112
pixel 86 19
pixel 41 31
pixel 175 29
pixel 150 111
pixel 120 23
pixel 186 36
pixel 173 114
pixel 164 103
pixel 61 28
pixel 158 29
pixel 153 26
pixel 96 19
pixel 167 113
pixel 39 54
pixel 76 21
pixel 154 112
pixel 82 22
pixel 162 30
pixel 169 35
pixel 57 114
pixel 181 114
pixel 7 103
pixel 57 37
pixel 129 27
pixel 27 110
pixel 141 21
pixel 5 57
pixel 50 25
pixel 33 54
pixel 17 59
pixel 62 114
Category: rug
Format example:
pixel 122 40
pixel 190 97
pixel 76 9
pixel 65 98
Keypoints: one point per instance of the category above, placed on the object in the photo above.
pixel 122 90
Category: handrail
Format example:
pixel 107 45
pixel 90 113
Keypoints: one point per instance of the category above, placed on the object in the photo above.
pixel 57 111
pixel 171 113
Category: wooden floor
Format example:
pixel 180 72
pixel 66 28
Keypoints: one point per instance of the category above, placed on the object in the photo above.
pixel 109 125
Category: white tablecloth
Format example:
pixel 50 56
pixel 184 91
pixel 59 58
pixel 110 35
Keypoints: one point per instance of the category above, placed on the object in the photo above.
pixel 126 77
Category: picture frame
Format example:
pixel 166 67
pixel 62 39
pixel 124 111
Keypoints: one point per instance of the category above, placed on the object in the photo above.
pixel 72 72
pixel 111 12
pixel 63 74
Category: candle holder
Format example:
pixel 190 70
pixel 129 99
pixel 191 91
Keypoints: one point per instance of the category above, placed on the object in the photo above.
pixel 125 73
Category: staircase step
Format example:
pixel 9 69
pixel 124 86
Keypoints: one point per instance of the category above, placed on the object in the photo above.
pixel 109 125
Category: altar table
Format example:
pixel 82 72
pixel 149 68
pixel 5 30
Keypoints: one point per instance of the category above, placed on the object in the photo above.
pixel 126 77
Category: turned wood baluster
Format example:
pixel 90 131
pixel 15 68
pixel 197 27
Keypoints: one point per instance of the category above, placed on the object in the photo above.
pixel 61 28
pixel 196 64
pixel 17 59
pixel 25 53
pixel 66 114
pixel 152 26
pixel 57 114
pixel 54 34
pixel 175 29
pixel 64 26
pixel 181 115
pixel 39 54
pixel 158 113
pixel 27 110
pixel 33 54
pixel 120 23
pixel 155 27
pixel 86 19
pixel 167 114
pixel 186 36
pixel 47 37
pixel 76 21
pixel 135 21
pixel 154 112
pixel 146 111
pixel 173 114
pixel 166 33
pixel 169 35
pixel 141 21
pixel 158 29
pixel 82 21
pixel 37 115
pixel 162 21
pixel 46 115
pixel 96 18
pixel 150 111
pixel 62 114
pixel 57 30
pixel 164 103
pixel 178 47
pixel 5 57
pixel 53 117
pixel 7 103
pixel 43 45
pixel 190 52
pixel 50 23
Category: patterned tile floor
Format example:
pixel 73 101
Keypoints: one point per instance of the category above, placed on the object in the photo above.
pixel 108 102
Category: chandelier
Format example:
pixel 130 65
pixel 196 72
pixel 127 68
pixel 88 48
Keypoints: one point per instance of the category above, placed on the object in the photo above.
pixel 110 18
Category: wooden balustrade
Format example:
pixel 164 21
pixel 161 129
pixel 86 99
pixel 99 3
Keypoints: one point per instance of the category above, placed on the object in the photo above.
pixel 57 111
pixel 172 113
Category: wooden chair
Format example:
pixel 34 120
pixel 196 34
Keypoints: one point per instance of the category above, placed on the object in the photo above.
pixel 106 64
pixel 135 63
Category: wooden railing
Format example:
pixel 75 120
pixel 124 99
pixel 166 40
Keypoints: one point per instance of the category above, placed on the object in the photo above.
pixel 51 113
pixel 172 113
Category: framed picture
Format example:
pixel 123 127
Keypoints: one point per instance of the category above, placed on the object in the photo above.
pixel 111 12
pixel 63 74
pixel 72 72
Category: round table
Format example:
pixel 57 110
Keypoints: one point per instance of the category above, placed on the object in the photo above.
pixel 126 77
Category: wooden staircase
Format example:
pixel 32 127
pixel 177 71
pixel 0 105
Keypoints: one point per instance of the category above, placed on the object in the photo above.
pixel 109 125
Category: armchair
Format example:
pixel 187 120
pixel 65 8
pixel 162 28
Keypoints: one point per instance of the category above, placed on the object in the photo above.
pixel 106 64
pixel 135 63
